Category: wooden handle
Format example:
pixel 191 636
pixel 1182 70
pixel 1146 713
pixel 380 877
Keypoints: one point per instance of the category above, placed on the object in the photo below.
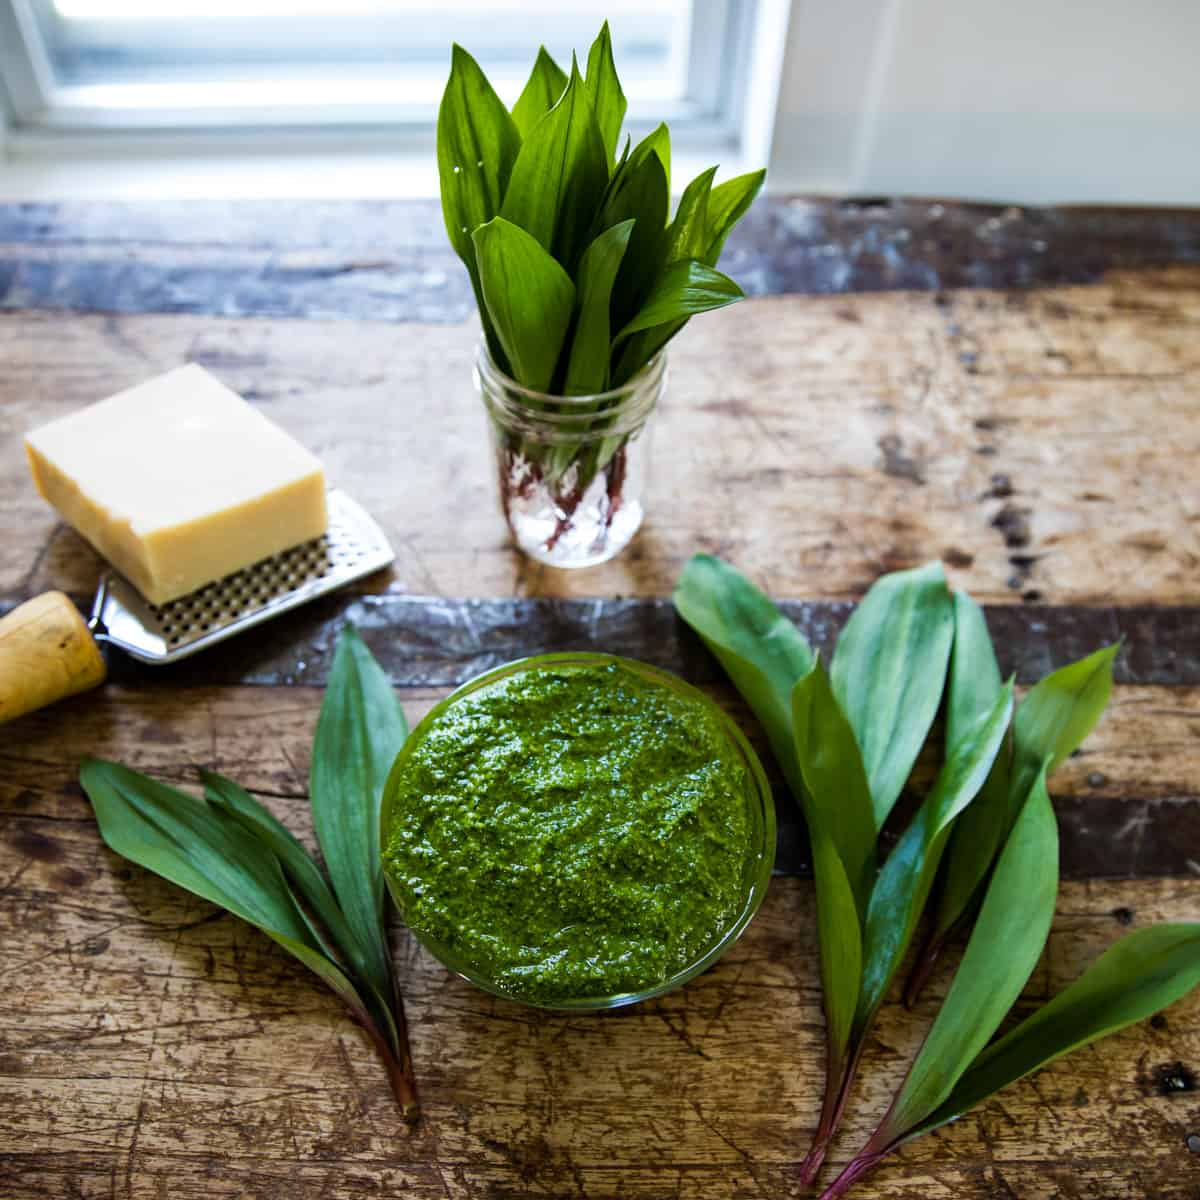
pixel 46 653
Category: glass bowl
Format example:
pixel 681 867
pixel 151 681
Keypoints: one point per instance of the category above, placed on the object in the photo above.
pixel 757 868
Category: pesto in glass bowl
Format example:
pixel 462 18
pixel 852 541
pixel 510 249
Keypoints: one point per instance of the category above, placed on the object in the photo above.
pixel 577 831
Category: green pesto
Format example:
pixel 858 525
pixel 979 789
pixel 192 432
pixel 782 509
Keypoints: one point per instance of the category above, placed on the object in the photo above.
pixel 572 831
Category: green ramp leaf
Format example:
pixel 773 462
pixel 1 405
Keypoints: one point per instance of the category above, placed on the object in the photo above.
pixel 1050 724
pixel 547 82
pixel 477 144
pixel 727 204
pixel 904 883
pixel 837 811
pixel 767 658
pixel 1000 957
pixel 208 850
pixel 841 831
pixel 686 238
pixel 658 143
pixel 529 298
pixel 587 367
pixel 185 841
pixel 761 651
pixel 907 876
pixel 974 677
pixel 559 175
pixel 974 686
pixel 604 88
pixel 899 897
pixel 235 802
pixel 1057 715
pixel 837 798
pixel 974 673
pixel 637 191
pixel 360 730
pixel 687 235
pixel 889 672
pixel 974 736
pixel 839 935
pixel 683 290
pixel 1144 972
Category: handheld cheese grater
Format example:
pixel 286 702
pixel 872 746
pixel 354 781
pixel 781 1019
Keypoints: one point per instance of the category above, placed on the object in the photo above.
pixel 47 652
pixel 352 547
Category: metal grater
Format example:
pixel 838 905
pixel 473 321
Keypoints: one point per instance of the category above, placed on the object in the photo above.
pixel 354 546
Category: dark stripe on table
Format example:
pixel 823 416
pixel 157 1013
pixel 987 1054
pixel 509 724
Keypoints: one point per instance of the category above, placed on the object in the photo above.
pixel 1100 837
pixel 425 641
pixel 435 643
pixel 390 261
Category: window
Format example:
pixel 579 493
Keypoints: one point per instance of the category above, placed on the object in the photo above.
pixel 104 68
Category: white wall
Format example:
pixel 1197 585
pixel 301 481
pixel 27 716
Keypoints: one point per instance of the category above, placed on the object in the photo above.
pixel 1033 101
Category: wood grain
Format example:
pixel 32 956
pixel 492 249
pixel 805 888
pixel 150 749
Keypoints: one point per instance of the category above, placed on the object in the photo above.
pixel 814 441
pixel 1127 803
pixel 390 260
pixel 1040 441
pixel 151 1046
pixel 430 641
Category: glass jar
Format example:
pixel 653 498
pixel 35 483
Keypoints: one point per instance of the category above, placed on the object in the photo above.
pixel 571 469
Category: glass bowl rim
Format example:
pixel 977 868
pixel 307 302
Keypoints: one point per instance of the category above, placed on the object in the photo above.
pixel 759 869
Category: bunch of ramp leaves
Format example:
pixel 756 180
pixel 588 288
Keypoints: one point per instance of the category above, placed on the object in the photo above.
pixel 983 842
pixel 580 277
pixel 227 848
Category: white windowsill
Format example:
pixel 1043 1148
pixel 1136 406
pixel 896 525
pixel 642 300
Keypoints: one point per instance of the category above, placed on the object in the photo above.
pixel 218 177
pixel 228 176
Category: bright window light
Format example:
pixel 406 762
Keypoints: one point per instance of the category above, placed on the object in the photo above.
pixel 210 65
pixel 190 10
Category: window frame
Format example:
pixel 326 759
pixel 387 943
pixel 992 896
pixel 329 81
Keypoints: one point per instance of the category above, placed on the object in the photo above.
pixel 45 112
pixel 25 73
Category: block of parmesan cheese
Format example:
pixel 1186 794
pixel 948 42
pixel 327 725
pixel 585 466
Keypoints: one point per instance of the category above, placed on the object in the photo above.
pixel 178 482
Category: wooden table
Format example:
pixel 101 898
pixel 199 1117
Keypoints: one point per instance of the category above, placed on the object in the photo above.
pixel 1012 391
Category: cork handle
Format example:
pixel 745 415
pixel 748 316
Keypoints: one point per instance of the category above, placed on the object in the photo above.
pixel 46 653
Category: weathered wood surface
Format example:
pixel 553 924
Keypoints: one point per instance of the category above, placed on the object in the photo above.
pixel 1138 815
pixel 1127 802
pixel 1035 441
pixel 390 261
pixel 1043 442
pixel 435 641
pixel 153 1047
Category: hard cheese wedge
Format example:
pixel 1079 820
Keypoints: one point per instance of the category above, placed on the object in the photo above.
pixel 178 482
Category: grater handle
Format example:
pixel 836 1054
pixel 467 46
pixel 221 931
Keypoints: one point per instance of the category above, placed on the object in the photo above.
pixel 46 653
